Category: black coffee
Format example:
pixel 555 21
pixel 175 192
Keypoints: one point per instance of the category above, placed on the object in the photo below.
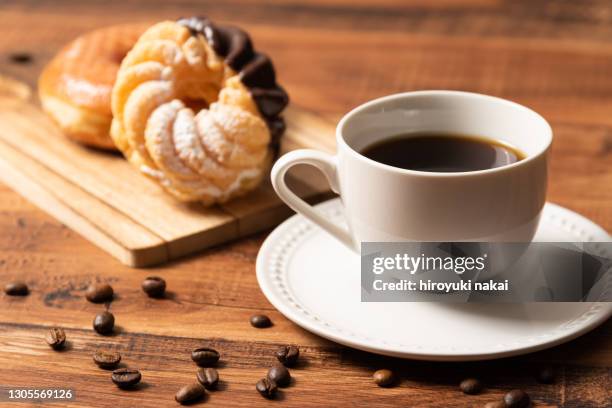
pixel 439 152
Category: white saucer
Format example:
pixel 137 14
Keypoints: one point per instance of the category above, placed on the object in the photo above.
pixel 314 281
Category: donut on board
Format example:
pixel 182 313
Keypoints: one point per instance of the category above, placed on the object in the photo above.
pixel 75 87
pixel 197 109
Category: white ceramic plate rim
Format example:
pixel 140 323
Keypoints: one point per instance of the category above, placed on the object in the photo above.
pixel 593 317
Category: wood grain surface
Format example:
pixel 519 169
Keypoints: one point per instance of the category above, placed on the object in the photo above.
pixel 99 195
pixel 554 56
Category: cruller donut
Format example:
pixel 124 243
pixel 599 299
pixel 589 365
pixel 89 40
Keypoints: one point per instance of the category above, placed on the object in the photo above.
pixel 75 87
pixel 197 109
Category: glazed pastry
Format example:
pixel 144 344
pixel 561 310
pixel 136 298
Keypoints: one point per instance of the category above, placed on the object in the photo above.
pixel 197 109
pixel 75 87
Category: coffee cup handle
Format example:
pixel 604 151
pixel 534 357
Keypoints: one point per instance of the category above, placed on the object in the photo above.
pixel 327 165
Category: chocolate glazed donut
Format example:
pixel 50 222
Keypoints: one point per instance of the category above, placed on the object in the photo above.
pixel 198 110
pixel 255 69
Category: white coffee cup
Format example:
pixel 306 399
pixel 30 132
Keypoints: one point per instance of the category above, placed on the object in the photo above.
pixel 385 203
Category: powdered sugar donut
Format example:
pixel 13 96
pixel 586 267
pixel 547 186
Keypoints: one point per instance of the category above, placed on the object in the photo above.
pixel 197 109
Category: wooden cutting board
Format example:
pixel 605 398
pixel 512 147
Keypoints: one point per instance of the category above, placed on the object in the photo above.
pixel 103 198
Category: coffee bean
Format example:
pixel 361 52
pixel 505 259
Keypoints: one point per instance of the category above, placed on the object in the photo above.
pixel 266 387
pixel 20 58
pixel 261 321
pixel 384 378
pixel 470 386
pixel 546 375
pixel 208 377
pixel 154 286
pixel 126 377
pixel 99 293
pixel 288 355
pixel 104 323
pixel 205 357
pixel 16 289
pixel 56 338
pixel 495 404
pixel 190 393
pixel 517 399
pixel 280 375
pixel 106 359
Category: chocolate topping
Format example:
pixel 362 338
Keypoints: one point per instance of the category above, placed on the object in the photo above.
pixel 259 72
pixel 214 38
pixel 271 101
pixel 256 70
pixel 239 49
pixel 277 128
pixel 231 43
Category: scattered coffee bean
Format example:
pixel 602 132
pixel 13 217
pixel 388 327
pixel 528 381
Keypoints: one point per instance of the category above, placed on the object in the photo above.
pixel 546 375
pixel 517 399
pixel 154 286
pixel 266 387
pixel 280 375
pixel 56 338
pixel 20 58
pixel 471 386
pixel 190 393
pixel 208 377
pixel 288 355
pixel 106 359
pixel 205 357
pixel 104 323
pixel 16 289
pixel 126 377
pixel 384 378
pixel 261 321
pixel 99 293
pixel 495 404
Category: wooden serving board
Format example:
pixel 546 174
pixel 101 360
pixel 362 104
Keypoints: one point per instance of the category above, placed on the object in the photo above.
pixel 103 198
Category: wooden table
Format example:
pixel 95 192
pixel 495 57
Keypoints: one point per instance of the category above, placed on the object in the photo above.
pixel 555 57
